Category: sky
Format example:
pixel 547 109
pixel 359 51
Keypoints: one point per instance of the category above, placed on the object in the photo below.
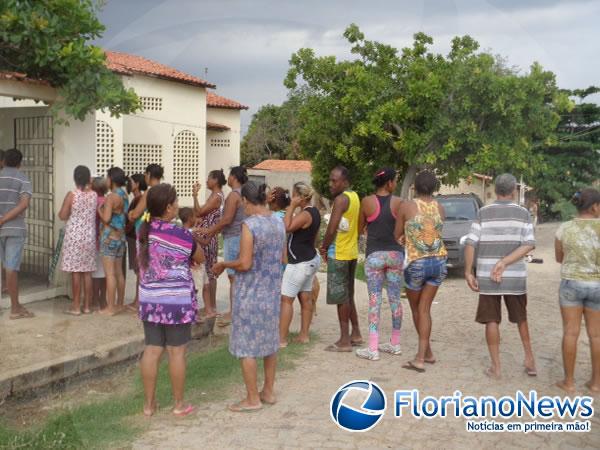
pixel 244 46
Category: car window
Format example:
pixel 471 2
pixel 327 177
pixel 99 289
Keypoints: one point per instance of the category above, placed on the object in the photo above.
pixel 458 208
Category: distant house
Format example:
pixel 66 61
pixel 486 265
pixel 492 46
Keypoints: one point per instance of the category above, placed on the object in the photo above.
pixel 184 126
pixel 483 186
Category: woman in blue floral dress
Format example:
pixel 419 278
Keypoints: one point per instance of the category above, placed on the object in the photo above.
pixel 257 290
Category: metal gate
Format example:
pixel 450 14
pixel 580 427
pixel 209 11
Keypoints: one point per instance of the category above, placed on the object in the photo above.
pixel 34 138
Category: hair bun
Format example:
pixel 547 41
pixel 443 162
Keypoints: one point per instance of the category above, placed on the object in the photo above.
pixel 262 193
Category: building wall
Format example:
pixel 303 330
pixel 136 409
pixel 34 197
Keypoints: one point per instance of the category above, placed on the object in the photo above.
pixel 484 191
pixel 183 109
pixel 223 147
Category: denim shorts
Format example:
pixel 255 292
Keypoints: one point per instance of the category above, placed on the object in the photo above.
pixel 113 248
pixel 299 277
pixel 11 252
pixel 580 293
pixel 431 270
pixel 231 250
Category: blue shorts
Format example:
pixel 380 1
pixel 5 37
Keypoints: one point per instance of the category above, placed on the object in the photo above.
pixel 580 293
pixel 11 252
pixel 113 248
pixel 431 270
pixel 231 250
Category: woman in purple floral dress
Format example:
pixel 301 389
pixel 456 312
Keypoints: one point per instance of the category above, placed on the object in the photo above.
pixel 257 291
pixel 166 292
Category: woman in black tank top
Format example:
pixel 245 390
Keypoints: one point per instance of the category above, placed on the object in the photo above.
pixel 303 262
pixel 384 259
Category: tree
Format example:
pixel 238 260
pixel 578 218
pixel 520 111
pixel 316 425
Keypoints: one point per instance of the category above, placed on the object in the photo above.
pixel 272 134
pixel 414 108
pixel 573 162
pixel 48 40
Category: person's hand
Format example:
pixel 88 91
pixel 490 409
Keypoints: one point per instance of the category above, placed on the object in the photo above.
pixel 1 221
pixel 497 271
pixel 295 202
pixel 218 268
pixel 402 240
pixel 195 189
pixel 472 282
pixel 323 252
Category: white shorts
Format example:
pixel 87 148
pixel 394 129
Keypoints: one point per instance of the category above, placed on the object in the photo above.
pixel 199 276
pixel 299 277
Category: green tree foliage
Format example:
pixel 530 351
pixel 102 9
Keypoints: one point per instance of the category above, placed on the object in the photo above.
pixel 48 40
pixel 573 162
pixel 413 108
pixel 272 134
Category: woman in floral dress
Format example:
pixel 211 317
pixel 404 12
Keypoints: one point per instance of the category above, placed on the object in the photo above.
pixel 211 213
pixel 79 247
pixel 257 290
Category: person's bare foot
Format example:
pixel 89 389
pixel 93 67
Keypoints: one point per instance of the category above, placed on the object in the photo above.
pixel 150 410
pixel 530 367
pixel 108 311
pixel 594 388
pixel 356 338
pixel 245 406
pixel 301 339
pixel 492 373
pixel 567 387
pixel 268 399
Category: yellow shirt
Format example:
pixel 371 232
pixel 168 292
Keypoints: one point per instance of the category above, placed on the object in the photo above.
pixel 345 246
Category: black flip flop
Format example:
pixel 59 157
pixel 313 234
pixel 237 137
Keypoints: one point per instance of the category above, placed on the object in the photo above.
pixel 410 366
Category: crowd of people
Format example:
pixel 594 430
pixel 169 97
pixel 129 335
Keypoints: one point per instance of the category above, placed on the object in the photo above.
pixel 271 254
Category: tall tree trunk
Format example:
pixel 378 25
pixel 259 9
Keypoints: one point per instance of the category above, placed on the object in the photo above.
pixel 407 181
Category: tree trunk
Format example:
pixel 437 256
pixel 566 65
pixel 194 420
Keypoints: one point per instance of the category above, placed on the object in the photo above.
pixel 407 181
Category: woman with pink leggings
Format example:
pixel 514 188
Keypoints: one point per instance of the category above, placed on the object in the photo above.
pixel 383 264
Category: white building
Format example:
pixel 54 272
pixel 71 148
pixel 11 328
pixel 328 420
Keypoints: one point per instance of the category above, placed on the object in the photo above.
pixel 183 126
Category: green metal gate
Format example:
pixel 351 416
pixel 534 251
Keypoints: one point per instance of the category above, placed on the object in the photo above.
pixel 34 138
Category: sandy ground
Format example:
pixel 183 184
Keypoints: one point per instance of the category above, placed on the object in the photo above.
pixel 51 334
pixel 301 419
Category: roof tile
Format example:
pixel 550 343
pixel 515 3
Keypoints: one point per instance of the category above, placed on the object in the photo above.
pixel 216 101
pixel 284 165
pixel 127 64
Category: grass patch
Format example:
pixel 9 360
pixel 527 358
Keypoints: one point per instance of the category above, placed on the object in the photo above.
pixel 106 423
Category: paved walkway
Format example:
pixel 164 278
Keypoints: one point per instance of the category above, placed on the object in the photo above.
pixel 301 417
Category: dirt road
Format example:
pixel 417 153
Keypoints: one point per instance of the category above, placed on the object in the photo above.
pixel 301 417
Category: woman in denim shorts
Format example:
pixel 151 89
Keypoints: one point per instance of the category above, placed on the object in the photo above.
pixel 420 221
pixel 577 248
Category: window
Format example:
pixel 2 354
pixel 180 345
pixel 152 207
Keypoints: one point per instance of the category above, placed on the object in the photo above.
pixel 105 147
pixel 151 103
pixel 136 157
pixel 258 179
pixel 219 143
pixel 186 162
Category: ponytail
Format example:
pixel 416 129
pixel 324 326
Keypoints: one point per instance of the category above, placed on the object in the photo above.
pixel 144 247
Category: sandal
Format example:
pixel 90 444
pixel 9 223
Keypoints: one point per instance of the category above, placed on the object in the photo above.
pixel 189 409
pixel 24 314
pixel 337 349
pixel 411 366
pixel 72 313
pixel 238 407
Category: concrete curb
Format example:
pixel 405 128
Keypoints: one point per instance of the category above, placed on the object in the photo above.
pixel 26 380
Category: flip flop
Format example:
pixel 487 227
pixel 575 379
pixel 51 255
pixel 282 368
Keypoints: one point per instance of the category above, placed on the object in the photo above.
pixel 357 343
pixel 335 348
pixel 71 313
pixel 410 366
pixel 22 315
pixel 430 361
pixel 189 409
pixel 531 372
pixel 238 407
pixel 488 373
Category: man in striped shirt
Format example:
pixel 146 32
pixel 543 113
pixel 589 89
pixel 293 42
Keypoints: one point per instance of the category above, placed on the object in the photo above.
pixel 15 194
pixel 502 236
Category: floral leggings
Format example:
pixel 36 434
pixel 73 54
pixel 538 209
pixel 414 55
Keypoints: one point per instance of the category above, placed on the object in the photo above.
pixel 379 268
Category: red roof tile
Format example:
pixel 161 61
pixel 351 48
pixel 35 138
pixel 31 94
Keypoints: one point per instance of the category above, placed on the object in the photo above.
pixel 216 101
pixel 216 126
pixel 126 64
pixel 284 165
pixel 18 76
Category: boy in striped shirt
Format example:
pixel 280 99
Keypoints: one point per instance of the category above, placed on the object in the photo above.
pixel 502 235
